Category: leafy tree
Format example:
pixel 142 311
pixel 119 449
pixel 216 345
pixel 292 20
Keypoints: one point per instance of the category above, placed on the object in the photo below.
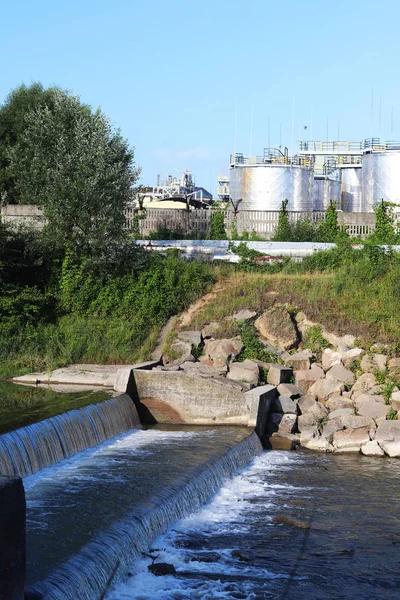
pixel 72 162
pixel 12 124
pixel 329 229
pixel 384 229
pixel 217 223
pixel 282 233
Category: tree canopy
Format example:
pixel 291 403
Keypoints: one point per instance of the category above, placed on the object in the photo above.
pixel 60 154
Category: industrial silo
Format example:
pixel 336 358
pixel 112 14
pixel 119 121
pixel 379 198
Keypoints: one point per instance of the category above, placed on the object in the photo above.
pixel 325 190
pixel 351 189
pixel 266 186
pixel 380 178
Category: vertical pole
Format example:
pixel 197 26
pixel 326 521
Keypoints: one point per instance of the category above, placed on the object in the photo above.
pixel 234 146
pixel 269 135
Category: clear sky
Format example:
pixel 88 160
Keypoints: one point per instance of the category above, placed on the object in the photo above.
pixel 170 73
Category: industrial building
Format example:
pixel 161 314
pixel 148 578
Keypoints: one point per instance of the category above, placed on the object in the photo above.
pixel 174 192
pixel 355 174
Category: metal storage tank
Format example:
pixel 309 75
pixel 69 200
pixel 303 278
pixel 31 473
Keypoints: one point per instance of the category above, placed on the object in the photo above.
pixel 352 189
pixel 380 178
pixel 264 187
pixel 325 190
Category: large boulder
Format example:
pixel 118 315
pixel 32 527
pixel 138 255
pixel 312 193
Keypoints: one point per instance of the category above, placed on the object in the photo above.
pixel 340 373
pixel 222 351
pixel 337 402
pixel 242 315
pixel 285 404
pixel 284 423
pixel 247 371
pixel 210 330
pixel 340 412
pixel 276 326
pixel 180 352
pixel 330 358
pixel 306 421
pixel 307 433
pixel 299 361
pixel 388 431
pixel 319 444
pixel 305 403
pixel 381 361
pixel 289 389
pixel 371 406
pixel 394 365
pixel 350 440
pixel 352 356
pixel 330 428
pixel 364 384
pixel 372 448
pixel 392 449
pixel 356 421
pixel 395 401
pixel 278 374
pixel 324 388
pixel 305 379
pixel 192 336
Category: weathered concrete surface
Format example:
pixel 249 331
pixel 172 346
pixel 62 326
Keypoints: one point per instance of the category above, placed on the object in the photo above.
pixel 177 397
pixel 12 538
pixel 261 400
pixel 86 374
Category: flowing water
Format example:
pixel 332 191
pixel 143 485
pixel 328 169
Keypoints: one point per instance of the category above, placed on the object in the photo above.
pixel 88 516
pixel 237 547
pixel 29 449
pixel 22 405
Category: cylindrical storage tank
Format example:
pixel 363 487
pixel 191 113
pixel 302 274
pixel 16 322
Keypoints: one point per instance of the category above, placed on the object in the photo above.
pixel 326 190
pixel 380 178
pixel 351 189
pixel 265 187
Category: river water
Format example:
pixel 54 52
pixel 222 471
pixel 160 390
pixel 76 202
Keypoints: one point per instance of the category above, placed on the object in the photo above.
pixel 218 501
pixel 235 548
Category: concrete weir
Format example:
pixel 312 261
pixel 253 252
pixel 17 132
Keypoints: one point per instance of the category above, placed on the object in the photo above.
pixel 178 398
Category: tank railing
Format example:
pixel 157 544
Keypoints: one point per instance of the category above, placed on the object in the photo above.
pixel 334 146
pixel 375 145
pixel 274 159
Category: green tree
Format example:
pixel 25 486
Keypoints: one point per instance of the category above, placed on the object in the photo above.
pixel 72 162
pixel 217 223
pixel 13 112
pixel 329 229
pixel 283 231
pixel 384 228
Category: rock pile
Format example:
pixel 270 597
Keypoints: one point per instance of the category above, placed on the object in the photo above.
pixel 334 405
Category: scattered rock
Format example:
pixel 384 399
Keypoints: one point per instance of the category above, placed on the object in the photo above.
pixel 210 330
pixel 222 351
pixel 200 369
pixel 305 403
pixel 183 352
pixel 330 428
pixel 160 569
pixel 305 379
pixel 319 444
pixel 337 402
pixel 307 434
pixel 299 361
pixel 364 383
pixel 324 388
pixel 340 412
pixel 286 423
pixel 368 365
pixel 394 364
pixel 191 336
pixel 342 343
pixel 340 373
pixel 282 520
pixel 352 356
pixel 289 389
pixel 350 440
pixel 278 374
pixel 285 404
pixel 372 407
pixel 206 557
pixel 276 326
pixel 217 365
pixel 392 449
pixel 380 361
pixel 388 431
pixel 305 421
pixel 246 371
pixel 355 421
pixel 330 358
pixel 243 315
pixel 395 400
pixel 372 449
pixel 318 410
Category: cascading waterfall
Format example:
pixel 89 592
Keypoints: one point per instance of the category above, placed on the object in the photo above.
pixel 88 574
pixel 29 449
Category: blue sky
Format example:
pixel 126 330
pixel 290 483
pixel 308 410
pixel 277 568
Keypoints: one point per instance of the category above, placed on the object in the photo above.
pixel 169 73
